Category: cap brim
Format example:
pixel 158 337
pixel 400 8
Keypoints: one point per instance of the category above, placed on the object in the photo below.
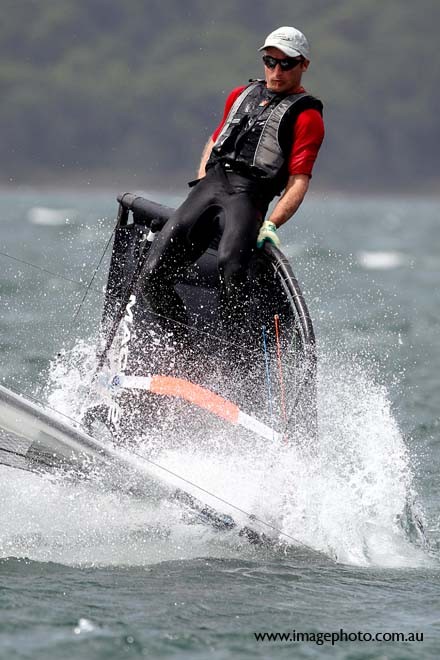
pixel 290 52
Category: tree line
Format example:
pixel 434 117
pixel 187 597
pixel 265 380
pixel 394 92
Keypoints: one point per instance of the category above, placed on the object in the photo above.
pixel 98 85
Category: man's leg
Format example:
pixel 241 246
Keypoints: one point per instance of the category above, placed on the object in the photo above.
pixel 183 239
pixel 242 222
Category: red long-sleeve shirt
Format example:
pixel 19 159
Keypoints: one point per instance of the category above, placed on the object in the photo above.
pixel 308 134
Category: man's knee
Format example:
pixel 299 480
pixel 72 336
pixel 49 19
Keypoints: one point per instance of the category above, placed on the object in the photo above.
pixel 232 264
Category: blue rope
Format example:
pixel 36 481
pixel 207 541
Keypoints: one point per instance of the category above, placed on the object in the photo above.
pixel 266 362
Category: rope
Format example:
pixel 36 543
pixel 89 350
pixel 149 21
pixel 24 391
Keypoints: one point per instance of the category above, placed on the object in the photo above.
pixel 90 284
pixel 268 383
pixel 43 270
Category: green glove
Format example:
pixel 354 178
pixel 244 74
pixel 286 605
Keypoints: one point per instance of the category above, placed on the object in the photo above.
pixel 268 232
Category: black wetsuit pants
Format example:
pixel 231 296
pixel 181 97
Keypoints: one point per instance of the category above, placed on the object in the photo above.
pixel 221 196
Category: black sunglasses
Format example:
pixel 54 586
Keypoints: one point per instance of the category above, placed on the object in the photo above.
pixel 286 64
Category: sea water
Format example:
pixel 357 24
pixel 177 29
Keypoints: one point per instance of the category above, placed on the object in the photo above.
pixel 90 573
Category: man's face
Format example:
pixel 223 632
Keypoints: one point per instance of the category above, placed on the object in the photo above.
pixel 283 82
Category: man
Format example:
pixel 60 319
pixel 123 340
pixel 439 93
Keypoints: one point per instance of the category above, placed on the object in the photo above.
pixel 266 143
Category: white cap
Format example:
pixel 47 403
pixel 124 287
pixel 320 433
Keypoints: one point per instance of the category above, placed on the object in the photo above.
pixel 289 40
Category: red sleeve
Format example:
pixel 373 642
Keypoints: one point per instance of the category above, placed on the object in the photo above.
pixel 307 139
pixel 228 105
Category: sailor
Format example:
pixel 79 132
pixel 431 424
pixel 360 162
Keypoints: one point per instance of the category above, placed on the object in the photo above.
pixel 265 146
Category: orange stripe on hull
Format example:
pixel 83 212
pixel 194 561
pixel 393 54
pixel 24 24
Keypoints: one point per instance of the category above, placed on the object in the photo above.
pixel 195 394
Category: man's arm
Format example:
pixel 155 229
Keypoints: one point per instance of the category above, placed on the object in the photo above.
pixel 291 199
pixel 205 157
pixel 307 139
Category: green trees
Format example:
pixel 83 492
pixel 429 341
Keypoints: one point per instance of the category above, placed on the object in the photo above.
pixel 96 85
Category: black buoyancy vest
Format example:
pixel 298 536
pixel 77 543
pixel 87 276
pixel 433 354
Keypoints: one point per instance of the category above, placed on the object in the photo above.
pixel 258 132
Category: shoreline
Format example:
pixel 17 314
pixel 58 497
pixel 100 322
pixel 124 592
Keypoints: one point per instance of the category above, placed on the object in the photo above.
pixel 320 193
pixel 115 183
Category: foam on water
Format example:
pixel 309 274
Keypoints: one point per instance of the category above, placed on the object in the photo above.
pixel 380 260
pixel 55 520
pixel 349 496
pixel 42 215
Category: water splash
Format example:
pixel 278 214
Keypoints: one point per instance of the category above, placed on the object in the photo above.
pixel 349 496
pixel 354 493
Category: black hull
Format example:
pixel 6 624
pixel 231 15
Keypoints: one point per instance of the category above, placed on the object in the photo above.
pixel 270 372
